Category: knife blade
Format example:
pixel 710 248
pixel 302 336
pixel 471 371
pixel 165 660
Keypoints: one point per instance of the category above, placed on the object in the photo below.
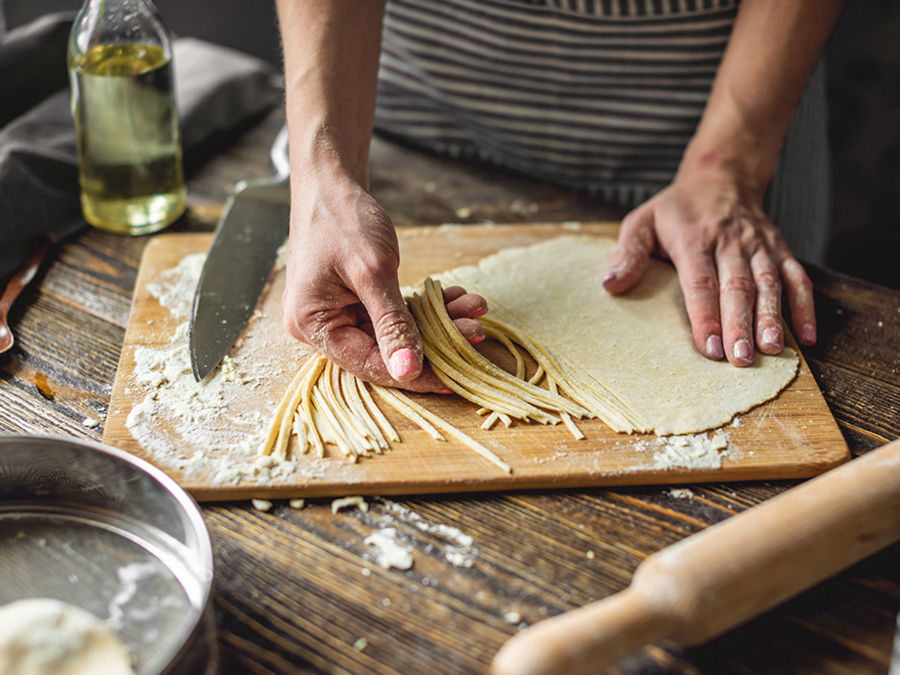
pixel 240 259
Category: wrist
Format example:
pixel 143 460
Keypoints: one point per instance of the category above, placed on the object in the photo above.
pixel 738 144
pixel 322 152
pixel 714 159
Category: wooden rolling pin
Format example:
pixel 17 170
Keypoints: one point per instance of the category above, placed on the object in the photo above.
pixel 715 580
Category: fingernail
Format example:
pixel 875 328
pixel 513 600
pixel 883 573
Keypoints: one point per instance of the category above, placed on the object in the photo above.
pixel 743 351
pixel 714 348
pixel 613 274
pixel 475 339
pixel 404 364
pixel 772 337
pixel 445 392
pixel 477 313
pixel 808 334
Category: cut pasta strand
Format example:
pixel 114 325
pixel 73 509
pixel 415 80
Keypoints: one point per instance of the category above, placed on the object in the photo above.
pixel 327 406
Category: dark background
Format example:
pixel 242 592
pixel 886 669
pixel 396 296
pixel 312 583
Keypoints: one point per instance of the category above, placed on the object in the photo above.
pixel 863 70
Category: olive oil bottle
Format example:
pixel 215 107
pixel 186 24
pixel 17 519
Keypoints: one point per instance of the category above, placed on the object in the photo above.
pixel 123 105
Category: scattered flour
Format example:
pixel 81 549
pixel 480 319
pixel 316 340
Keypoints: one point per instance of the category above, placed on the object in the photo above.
pixel 555 457
pixel 512 617
pixel 388 551
pixel 392 549
pixel 211 429
pixel 90 422
pixel 459 549
pixel 172 286
pixel 691 451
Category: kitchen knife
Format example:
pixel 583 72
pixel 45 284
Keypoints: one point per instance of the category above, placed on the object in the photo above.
pixel 253 226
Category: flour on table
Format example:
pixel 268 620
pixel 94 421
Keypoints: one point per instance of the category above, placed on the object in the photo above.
pixel 388 544
pixel 172 286
pixel 388 550
pixel 691 451
pixel 456 547
pixel 206 428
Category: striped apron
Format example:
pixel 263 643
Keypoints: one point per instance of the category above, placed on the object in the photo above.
pixel 596 95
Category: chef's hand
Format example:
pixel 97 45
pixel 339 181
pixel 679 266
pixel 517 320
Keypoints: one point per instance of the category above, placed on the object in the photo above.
pixel 732 264
pixel 342 294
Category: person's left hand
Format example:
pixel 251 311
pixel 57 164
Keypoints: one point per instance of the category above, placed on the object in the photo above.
pixel 732 263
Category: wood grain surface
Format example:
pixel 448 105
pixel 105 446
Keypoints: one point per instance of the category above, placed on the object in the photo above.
pixel 296 590
pixel 792 436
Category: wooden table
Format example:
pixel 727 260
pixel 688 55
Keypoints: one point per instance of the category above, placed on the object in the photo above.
pixel 296 591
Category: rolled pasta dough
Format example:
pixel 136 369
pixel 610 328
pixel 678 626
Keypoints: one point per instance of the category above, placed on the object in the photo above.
pixel 634 351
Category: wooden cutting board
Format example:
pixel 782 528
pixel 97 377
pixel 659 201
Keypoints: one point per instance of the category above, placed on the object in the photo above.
pixel 790 437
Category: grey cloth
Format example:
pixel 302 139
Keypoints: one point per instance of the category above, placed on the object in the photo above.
pixel 217 90
pixel 799 198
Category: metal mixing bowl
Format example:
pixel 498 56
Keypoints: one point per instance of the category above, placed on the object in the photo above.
pixel 106 531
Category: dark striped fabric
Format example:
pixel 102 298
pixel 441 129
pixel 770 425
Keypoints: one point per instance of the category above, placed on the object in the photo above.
pixel 600 95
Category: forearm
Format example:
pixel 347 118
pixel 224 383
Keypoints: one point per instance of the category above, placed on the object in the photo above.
pixel 331 50
pixel 773 48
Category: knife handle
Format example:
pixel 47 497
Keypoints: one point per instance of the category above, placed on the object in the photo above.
pixel 709 583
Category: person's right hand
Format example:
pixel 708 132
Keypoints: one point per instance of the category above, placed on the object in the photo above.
pixel 342 295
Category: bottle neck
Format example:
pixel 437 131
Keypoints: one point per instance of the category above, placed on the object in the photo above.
pixel 118 22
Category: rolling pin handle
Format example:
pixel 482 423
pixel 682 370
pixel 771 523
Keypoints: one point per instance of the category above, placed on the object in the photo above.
pixel 586 639
pixel 715 580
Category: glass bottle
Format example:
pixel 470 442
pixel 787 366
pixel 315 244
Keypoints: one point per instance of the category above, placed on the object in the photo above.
pixel 123 104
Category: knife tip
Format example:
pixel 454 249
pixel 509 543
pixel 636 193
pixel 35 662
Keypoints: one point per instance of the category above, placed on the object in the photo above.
pixel 199 372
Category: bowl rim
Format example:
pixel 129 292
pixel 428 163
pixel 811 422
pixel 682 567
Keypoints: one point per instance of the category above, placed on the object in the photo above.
pixel 185 501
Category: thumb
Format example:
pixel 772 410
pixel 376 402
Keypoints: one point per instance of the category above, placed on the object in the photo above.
pixel 629 259
pixel 395 331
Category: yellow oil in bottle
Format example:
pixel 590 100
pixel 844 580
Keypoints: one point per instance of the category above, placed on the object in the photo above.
pixel 129 146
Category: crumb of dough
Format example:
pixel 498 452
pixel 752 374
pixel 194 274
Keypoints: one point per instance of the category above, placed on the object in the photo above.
pixel 297 503
pixel 355 502
pixel 261 504
pixel 681 493
pixel 512 617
